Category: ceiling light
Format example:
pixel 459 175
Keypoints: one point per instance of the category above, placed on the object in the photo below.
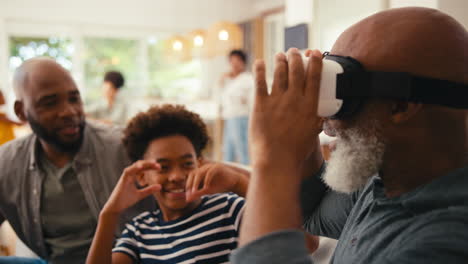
pixel 177 45
pixel 198 41
pixel 223 35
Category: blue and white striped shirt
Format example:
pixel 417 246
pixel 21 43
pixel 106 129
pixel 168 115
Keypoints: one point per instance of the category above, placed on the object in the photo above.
pixel 207 235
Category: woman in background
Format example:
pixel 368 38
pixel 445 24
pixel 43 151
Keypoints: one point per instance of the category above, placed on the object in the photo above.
pixel 236 101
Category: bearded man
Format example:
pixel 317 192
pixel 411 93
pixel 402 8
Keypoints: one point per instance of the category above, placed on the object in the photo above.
pixel 398 179
pixel 54 182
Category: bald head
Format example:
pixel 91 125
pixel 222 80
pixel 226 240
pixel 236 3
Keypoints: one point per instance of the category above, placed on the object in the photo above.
pixel 39 71
pixel 399 139
pixel 48 99
pixel 421 41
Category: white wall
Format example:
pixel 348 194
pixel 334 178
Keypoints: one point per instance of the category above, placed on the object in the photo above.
pixel 4 80
pixel 161 15
pixel 298 12
pixel 332 17
pixel 153 15
pixel 3 54
pixel 457 9
pixel 213 69
pixel 327 19
pixel 422 3
pixel 260 6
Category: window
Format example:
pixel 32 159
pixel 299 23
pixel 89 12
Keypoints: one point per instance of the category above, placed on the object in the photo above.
pixel 172 79
pixel 105 54
pixel 23 48
pixel 147 70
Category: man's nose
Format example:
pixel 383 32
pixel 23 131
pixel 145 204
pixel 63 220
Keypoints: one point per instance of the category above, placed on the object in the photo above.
pixel 68 109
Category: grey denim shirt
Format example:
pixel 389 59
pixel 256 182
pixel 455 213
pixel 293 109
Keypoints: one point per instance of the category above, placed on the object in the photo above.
pixel 426 225
pixel 98 166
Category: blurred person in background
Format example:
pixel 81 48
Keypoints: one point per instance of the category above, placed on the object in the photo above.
pixel 6 124
pixel 113 109
pixel 236 97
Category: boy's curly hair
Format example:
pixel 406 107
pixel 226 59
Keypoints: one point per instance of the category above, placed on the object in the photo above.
pixel 162 121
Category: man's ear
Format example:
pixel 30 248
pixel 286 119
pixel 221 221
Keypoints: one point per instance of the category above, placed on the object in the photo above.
pixel 403 111
pixel 19 111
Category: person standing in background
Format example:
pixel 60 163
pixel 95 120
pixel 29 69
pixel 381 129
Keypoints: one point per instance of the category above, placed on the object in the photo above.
pixel 113 109
pixel 6 124
pixel 237 92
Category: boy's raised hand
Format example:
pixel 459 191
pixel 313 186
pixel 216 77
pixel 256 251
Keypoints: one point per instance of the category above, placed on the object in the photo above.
pixel 215 177
pixel 126 193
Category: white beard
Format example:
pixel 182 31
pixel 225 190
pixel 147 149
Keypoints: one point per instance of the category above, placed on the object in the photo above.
pixel 355 160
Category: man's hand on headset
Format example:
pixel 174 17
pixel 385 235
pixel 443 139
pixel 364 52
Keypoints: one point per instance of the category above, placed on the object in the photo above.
pixel 285 124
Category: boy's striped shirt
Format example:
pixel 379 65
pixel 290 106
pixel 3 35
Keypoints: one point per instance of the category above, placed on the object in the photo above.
pixel 207 235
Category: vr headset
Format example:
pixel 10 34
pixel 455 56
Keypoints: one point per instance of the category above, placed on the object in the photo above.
pixel 345 86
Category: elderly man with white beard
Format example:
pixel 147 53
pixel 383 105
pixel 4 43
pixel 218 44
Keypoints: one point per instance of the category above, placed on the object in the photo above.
pixel 398 179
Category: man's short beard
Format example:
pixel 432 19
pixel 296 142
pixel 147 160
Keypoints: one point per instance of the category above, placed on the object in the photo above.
pixel 358 156
pixel 53 139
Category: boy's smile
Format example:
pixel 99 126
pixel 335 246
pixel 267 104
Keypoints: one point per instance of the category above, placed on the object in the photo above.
pixel 177 158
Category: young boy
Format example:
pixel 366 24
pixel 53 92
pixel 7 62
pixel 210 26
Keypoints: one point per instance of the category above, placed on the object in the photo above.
pixel 166 142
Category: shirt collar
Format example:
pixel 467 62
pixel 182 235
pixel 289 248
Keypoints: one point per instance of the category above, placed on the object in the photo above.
pixel 448 190
pixel 33 147
pixel 82 157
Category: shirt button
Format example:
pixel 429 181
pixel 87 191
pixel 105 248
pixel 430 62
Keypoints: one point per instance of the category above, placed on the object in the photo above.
pixel 35 192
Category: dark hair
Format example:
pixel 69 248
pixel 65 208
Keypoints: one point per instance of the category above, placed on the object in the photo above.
pixel 162 121
pixel 115 77
pixel 239 53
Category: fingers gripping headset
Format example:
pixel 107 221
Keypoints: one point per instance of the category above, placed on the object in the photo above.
pixel 345 86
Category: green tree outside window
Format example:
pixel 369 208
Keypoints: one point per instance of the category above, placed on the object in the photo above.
pixel 23 48
pixel 105 54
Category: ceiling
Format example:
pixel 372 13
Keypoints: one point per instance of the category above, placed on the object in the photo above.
pixel 168 15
